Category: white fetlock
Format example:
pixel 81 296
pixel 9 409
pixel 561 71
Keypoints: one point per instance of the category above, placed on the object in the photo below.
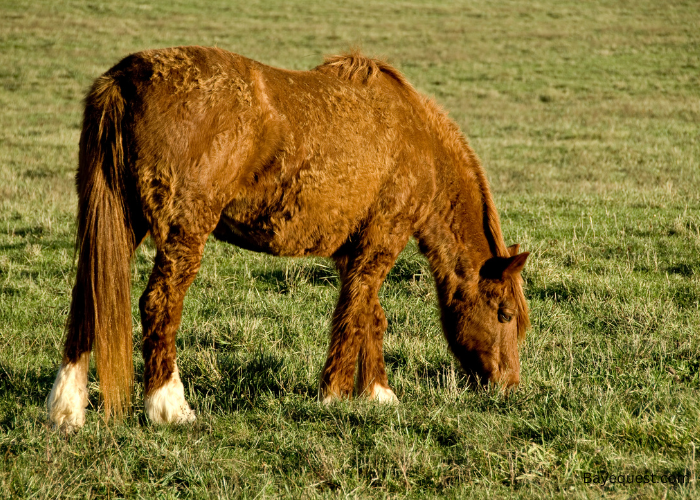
pixel 69 396
pixel 167 404
pixel 383 394
pixel 330 399
pixel 328 396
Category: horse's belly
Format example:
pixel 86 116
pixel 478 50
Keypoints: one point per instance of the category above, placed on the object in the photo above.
pixel 285 232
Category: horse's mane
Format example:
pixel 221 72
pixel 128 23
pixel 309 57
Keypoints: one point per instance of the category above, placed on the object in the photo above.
pixel 453 138
pixel 356 67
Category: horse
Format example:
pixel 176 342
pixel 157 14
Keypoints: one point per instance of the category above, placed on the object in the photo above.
pixel 345 161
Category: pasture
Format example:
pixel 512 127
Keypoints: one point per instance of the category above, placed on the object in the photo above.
pixel 587 119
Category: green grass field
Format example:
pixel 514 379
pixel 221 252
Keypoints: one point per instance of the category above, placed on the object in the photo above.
pixel 587 118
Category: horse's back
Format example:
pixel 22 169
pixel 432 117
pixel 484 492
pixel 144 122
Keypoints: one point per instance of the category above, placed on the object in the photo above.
pixel 295 160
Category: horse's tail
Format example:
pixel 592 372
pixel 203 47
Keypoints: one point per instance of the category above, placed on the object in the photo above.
pixel 101 306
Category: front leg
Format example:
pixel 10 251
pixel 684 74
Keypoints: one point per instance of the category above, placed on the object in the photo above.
pixel 372 381
pixel 359 323
pixel 337 378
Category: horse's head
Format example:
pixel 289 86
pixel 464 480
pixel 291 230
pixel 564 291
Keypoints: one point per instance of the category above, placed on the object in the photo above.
pixel 492 316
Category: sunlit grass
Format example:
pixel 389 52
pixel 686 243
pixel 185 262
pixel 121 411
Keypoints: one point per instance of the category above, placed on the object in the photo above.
pixel 586 118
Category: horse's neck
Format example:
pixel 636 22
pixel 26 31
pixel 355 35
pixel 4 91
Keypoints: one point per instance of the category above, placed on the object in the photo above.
pixel 475 226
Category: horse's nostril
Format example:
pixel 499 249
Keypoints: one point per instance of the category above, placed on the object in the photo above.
pixel 511 379
pixel 506 378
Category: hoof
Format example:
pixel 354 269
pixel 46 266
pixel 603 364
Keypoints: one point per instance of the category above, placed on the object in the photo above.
pixel 167 404
pixel 328 397
pixel 382 394
pixel 68 398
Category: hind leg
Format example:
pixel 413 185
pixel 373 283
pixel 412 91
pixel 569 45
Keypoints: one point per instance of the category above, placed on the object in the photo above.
pixel 176 265
pixel 69 397
pixel 358 321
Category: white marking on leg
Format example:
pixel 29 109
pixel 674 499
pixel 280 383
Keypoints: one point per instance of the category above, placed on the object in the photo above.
pixel 328 397
pixel 383 394
pixel 69 397
pixel 167 404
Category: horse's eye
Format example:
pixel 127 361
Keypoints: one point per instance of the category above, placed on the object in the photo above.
pixel 504 317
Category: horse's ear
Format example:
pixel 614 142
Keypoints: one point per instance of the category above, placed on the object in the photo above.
pixel 516 264
pixel 497 268
pixel 514 249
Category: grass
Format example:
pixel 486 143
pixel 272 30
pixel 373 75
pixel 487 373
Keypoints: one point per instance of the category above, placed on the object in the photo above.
pixel 586 117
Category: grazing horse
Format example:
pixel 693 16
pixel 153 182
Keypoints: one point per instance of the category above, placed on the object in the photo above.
pixel 346 161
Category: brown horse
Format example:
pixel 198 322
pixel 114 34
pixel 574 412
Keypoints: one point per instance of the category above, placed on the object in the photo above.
pixel 345 161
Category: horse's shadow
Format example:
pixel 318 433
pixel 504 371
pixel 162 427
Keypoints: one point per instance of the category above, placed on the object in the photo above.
pixel 239 383
pixel 323 273
pixel 22 388
pixel 285 279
